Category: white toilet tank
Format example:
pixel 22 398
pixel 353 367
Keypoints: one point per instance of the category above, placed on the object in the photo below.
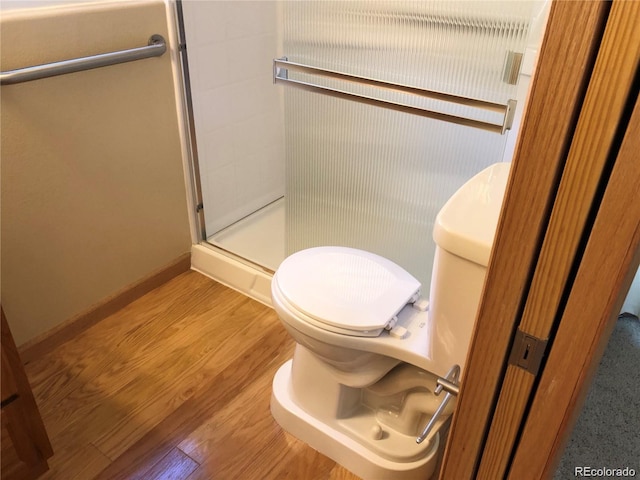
pixel 464 232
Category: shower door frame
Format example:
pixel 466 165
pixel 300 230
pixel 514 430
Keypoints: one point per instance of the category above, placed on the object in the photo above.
pixel 490 437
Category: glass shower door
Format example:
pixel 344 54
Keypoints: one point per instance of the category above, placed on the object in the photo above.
pixel 368 177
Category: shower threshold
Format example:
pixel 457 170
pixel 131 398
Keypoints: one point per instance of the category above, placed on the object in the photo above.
pixel 258 238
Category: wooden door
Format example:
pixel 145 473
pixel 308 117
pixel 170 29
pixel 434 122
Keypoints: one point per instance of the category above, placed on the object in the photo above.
pixel 606 269
pixel 578 105
pixel 20 414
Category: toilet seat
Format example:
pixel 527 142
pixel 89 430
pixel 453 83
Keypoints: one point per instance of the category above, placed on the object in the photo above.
pixel 344 290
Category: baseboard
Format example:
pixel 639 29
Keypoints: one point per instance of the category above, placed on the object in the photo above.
pixel 231 272
pixel 49 340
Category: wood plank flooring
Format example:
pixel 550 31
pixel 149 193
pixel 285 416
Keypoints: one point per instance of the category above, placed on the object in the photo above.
pixel 175 385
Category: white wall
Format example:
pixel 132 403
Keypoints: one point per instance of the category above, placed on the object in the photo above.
pixel 632 302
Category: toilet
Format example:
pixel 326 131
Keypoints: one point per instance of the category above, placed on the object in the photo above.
pixel 377 363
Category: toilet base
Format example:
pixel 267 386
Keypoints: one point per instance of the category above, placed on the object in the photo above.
pixel 338 446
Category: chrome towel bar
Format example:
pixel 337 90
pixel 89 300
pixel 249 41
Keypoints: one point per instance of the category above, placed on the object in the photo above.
pixel 281 66
pixel 156 47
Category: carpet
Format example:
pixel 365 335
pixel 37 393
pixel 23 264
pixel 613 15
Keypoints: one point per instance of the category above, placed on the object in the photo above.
pixel 607 433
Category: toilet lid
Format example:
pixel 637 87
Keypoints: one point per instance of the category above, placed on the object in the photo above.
pixel 345 287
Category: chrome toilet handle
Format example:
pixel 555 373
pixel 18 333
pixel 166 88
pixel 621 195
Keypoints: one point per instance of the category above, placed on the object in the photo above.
pixel 450 385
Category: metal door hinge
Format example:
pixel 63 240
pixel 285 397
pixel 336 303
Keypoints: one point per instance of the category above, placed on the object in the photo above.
pixel 527 352
pixel 199 207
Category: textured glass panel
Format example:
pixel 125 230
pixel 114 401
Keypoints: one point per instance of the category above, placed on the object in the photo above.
pixel 371 178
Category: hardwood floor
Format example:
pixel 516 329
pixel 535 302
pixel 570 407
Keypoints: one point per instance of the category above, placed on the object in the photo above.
pixel 175 385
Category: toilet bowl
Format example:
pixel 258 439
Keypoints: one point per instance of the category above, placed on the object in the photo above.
pixel 362 385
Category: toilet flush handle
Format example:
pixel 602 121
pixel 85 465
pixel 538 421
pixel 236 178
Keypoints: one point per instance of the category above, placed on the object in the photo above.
pixel 450 384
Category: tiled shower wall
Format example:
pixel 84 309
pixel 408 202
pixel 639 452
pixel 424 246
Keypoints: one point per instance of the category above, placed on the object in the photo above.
pixel 237 109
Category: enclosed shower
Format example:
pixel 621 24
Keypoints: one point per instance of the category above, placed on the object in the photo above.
pixel 350 123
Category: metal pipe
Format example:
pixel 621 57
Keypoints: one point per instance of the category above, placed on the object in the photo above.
pixel 450 385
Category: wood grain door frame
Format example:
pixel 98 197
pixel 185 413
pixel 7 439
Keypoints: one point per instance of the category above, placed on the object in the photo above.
pixel 571 40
